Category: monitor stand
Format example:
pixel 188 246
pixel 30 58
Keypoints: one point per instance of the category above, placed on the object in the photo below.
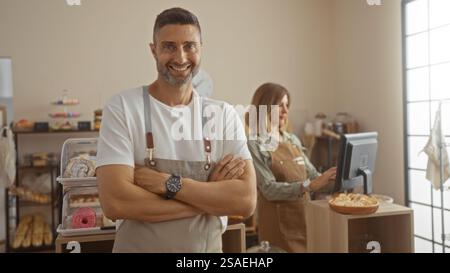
pixel 367 176
pixel 363 177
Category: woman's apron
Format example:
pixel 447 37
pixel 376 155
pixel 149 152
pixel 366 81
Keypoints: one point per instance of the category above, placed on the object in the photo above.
pixel 201 233
pixel 283 223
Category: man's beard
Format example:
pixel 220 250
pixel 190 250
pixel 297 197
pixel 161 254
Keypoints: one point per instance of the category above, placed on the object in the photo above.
pixel 165 73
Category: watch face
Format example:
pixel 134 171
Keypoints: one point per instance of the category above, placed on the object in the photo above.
pixel 173 185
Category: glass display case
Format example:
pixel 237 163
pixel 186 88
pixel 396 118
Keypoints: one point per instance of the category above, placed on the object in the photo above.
pixel 81 210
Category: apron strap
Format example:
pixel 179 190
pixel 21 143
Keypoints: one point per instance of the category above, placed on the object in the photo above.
pixel 148 126
pixel 148 121
pixel 207 148
pixel 206 140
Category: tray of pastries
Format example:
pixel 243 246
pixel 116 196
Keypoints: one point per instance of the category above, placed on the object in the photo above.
pixel 354 203
pixel 84 200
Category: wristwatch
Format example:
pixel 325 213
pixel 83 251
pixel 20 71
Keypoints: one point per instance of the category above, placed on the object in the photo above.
pixel 173 185
pixel 306 185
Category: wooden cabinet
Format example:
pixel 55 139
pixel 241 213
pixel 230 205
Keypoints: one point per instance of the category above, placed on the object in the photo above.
pixel 389 230
pixel 233 241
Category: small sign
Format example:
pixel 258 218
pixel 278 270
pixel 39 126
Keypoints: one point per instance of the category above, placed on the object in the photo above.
pixel 74 246
pixel 84 125
pixel 374 246
pixel 73 2
pixel 374 2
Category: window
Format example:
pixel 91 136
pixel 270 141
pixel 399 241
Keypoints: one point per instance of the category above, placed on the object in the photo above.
pixel 426 45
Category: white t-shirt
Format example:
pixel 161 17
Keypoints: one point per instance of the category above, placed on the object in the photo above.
pixel 122 133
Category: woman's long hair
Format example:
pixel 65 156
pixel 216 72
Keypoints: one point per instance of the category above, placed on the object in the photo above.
pixel 268 94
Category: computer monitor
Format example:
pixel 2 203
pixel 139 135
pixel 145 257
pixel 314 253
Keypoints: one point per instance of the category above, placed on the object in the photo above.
pixel 356 161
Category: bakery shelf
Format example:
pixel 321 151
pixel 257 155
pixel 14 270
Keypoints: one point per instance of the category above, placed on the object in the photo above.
pixel 54 132
pixel 33 204
pixel 49 248
pixel 39 168
pixel 77 182
pixel 25 203
pixel 64 115
pixel 85 231
pixel 14 205
pixel 64 103
pixel 85 205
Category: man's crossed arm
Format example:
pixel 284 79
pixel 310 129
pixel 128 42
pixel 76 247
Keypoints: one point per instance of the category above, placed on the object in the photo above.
pixel 135 193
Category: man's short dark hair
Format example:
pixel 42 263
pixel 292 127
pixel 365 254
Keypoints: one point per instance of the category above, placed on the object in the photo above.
pixel 175 16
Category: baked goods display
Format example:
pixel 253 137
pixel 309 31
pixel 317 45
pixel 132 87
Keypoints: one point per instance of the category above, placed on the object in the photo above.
pixel 22 231
pixel 32 231
pixel 82 213
pixel 80 166
pixel 108 222
pixel 84 200
pixel 64 113
pixel 87 217
pixel 98 118
pixel 61 126
pixel 84 218
pixel 24 125
pixel 66 101
pixel 354 203
pixel 41 159
pixel 28 195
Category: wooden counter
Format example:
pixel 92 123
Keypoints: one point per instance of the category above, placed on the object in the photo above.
pixel 388 230
pixel 233 241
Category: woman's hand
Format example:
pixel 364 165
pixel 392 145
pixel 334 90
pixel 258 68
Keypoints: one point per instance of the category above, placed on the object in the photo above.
pixel 323 180
pixel 151 180
pixel 228 168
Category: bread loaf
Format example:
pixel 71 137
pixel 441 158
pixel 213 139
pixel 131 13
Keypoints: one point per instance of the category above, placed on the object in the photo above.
pixel 22 230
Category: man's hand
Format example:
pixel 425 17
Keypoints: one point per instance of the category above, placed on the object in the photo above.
pixel 151 180
pixel 324 179
pixel 228 168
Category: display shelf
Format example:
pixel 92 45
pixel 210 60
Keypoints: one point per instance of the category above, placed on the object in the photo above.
pixel 65 115
pixel 60 103
pixel 13 203
pixel 39 168
pixel 54 131
pixel 25 203
pixel 49 248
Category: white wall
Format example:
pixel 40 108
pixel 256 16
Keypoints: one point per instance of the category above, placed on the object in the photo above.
pixel 101 47
pixel 368 56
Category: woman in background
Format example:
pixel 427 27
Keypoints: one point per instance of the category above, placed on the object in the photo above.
pixel 285 176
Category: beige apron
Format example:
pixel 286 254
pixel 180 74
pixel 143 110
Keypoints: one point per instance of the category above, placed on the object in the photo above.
pixel 199 234
pixel 283 223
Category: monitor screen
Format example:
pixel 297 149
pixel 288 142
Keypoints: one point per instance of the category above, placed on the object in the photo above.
pixel 356 161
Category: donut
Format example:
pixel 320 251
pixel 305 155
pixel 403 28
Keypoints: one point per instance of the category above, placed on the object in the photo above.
pixel 84 218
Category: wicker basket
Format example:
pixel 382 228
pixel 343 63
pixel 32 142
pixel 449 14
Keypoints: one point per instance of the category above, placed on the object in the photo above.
pixel 354 210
